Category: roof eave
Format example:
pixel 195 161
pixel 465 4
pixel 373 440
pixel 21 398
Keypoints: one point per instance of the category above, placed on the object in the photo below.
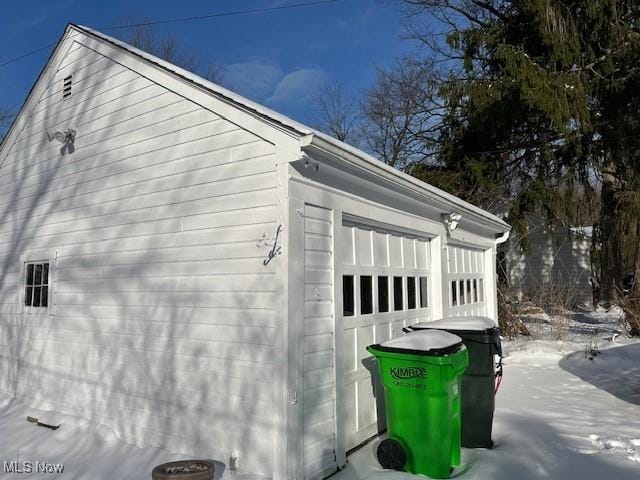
pixel 326 145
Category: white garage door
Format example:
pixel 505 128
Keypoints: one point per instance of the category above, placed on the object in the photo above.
pixel 385 286
pixel 466 281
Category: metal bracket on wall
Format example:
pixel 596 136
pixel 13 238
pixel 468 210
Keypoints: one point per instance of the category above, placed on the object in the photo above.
pixel 275 248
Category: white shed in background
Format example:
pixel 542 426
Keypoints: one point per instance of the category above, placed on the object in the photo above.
pixel 200 273
pixel 556 268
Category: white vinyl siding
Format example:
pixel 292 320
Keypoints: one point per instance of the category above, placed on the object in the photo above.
pixel 556 265
pixel 319 429
pixel 166 324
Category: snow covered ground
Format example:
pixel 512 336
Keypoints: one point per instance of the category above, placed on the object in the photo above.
pixel 560 414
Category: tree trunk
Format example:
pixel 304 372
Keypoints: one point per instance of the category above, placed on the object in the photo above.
pixel 611 256
pixel 631 304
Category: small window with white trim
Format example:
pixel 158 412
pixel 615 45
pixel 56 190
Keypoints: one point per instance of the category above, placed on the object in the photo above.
pixel 36 285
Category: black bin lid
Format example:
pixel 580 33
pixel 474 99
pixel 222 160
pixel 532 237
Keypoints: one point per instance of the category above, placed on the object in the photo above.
pixel 474 324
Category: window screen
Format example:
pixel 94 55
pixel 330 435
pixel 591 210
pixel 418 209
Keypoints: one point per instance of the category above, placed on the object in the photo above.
pixel 36 284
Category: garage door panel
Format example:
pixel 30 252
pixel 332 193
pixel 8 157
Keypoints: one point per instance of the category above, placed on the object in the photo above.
pixel 382 333
pixel 409 253
pixel 351 413
pixel 367 405
pixel 422 257
pixel 451 260
pixel 395 251
pixel 380 250
pixel 378 254
pixel 346 241
pixel 349 350
pixel 396 328
pixel 364 250
pixel 365 338
pixel 460 260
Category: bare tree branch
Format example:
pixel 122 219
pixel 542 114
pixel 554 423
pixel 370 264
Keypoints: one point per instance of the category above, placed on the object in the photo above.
pixel 400 113
pixel 167 47
pixel 337 112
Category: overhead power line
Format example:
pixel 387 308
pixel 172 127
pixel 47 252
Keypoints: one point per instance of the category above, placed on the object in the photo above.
pixel 226 14
pixel 28 54
pixel 186 19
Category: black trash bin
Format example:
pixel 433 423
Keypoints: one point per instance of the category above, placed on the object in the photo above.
pixel 481 336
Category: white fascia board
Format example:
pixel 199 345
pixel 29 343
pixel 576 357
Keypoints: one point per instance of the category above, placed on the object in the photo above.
pixel 328 147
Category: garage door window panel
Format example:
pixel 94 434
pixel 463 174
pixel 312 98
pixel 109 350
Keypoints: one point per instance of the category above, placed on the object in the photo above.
pixel 348 294
pixel 411 293
pixel 366 294
pixel 424 292
pixel 383 294
pixel 397 294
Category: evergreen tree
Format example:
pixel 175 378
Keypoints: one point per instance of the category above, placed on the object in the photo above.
pixel 542 96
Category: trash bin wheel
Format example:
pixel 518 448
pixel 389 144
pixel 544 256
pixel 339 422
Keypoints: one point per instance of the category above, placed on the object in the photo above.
pixel 391 454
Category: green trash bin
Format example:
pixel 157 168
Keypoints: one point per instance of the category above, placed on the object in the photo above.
pixel 482 339
pixel 421 374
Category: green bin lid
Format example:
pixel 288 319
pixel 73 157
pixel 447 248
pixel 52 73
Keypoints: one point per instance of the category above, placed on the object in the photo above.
pixel 422 342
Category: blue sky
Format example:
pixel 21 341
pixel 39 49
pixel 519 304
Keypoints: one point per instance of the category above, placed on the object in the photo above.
pixel 279 58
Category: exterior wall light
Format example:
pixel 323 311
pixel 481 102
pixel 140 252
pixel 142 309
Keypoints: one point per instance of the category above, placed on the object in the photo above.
pixel 66 137
pixel 451 220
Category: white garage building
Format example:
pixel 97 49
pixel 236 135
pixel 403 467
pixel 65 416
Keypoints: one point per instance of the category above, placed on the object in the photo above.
pixel 200 273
